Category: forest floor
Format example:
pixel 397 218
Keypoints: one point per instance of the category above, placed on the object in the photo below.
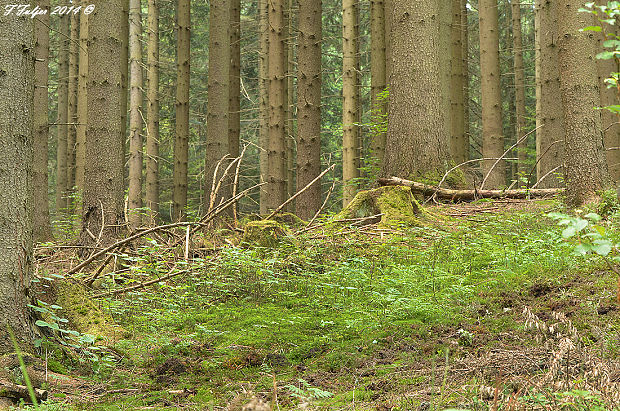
pixel 485 307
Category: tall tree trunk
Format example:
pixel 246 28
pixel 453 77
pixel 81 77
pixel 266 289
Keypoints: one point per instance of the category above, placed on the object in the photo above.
pixel 72 103
pixel 276 179
pixel 42 227
pixel 82 108
pixel 492 136
pixel 152 125
pixel 549 114
pixel 217 106
pixel 181 142
pixel 16 156
pixel 418 140
pixel 389 12
pixel 135 116
pixel 309 106
pixel 102 212
pixel 350 98
pixel 585 164
pixel 460 145
pixel 290 111
pixel 124 81
pixel 517 45
pixel 263 96
pixel 378 81
pixel 234 82
pixel 465 55
pixel 62 120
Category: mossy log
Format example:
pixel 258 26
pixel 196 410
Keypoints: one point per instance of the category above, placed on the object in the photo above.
pixel 468 195
pixel 12 383
pixel 264 233
pixel 388 206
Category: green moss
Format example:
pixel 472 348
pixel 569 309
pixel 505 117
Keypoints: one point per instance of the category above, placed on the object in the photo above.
pixel 264 233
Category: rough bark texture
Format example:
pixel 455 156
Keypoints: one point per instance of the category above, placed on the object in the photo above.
pixel 418 141
pixel 82 112
pixel 276 165
pixel 181 142
pixel 465 54
pixel 72 103
pixel 103 195
pixel 309 106
pixel 217 107
pixel 378 81
pixel 585 164
pixel 549 114
pixel 16 156
pixel 135 114
pixel 460 144
pixel 492 138
pixel 517 47
pixel 61 119
pixel 290 107
pixel 124 79
pixel 263 97
pixel 389 13
pixel 234 82
pixel 42 227
pixel 350 98
pixel 152 125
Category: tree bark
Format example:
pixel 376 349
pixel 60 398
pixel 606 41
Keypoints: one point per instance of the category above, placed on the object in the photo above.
pixel 72 105
pixel 519 80
pixel 124 80
pixel 263 97
pixel 181 142
pixel 378 80
pixel 309 106
pixel 465 55
pixel 234 82
pixel 460 143
pixel 82 109
pixel 17 55
pixel 290 107
pixel 61 119
pixel 152 125
pixel 585 163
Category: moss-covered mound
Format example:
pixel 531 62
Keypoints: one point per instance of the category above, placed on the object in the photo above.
pixel 395 204
pixel 264 233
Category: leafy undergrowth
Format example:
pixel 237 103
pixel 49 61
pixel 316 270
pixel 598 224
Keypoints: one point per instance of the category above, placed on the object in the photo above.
pixel 485 307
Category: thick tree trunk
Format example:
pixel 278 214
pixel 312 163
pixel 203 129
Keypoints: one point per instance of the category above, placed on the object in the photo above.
pixel 418 141
pixel 102 212
pixel 217 107
pixel 124 80
pixel 460 144
pixel 234 82
pixel 290 111
pixel 465 55
pixel 492 136
pixel 135 115
pixel 181 142
pixel 276 179
pixel 263 96
pixel 82 109
pixel 61 119
pixel 378 80
pixel 309 106
pixel 17 57
pixel 549 114
pixel 585 163
pixel 72 104
pixel 42 227
pixel 519 80
pixel 152 125
pixel 350 99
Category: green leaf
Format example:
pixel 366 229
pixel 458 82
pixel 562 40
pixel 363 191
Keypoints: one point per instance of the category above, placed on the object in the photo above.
pixel 583 249
pixel 580 224
pixel 593 217
pixel 602 247
pixel 592 28
pixel 609 21
pixel 605 55
pixel 41 323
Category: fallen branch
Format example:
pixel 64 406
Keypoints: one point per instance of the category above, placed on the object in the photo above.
pixel 468 195
pixel 141 285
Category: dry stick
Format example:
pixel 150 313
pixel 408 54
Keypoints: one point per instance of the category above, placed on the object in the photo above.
pixel 506 152
pixel 545 176
pixel 277 210
pixel 187 245
pixel 540 157
pixel 329 193
pixel 236 182
pixel 213 195
pixel 141 285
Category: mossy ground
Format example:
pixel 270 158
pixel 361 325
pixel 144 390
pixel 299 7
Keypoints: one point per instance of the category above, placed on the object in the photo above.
pixel 427 316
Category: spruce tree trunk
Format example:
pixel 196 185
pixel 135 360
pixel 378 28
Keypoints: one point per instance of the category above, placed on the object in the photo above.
pixel 378 81
pixel 17 55
pixel 585 163
pixel 460 144
pixel 42 228
pixel 389 12
pixel 263 96
pixel 124 80
pixel 152 125
pixel 234 82
pixel 309 106
pixel 465 55
pixel 418 140
pixel 72 104
pixel 350 99
pixel 82 109
pixel 135 116
pixel 519 79
pixel 102 214
pixel 492 136
pixel 276 178
pixel 61 119
pixel 181 142
pixel 217 106
pixel 549 114
pixel 290 110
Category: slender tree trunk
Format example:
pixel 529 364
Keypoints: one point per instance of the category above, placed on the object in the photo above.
pixel 181 142
pixel 389 11
pixel 492 138
pixel 124 81
pixel 465 55
pixel 263 95
pixel 17 56
pixel 418 141
pixel 135 116
pixel 309 106
pixel 460 144
pixel 42 227
pixel 234 82
pixel 517 44
pixel 549 114
pixel 276 181
pixel 585 163
pixel 290 111
pixel 102 212
pixel 378 81
pixel 82 109
pixel 350 98
pixel 62 120
pixel 72 103
pixel 217 106
pixel 152 125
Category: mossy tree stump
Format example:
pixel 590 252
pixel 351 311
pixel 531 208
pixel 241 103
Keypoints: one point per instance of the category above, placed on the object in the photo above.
pixel 264 233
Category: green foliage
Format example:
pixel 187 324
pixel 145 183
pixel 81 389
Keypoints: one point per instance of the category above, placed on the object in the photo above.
pixel 305 391
pixel 589 233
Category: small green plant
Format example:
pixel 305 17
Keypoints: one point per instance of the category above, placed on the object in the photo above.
pixel 590 234
pixel 305 391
